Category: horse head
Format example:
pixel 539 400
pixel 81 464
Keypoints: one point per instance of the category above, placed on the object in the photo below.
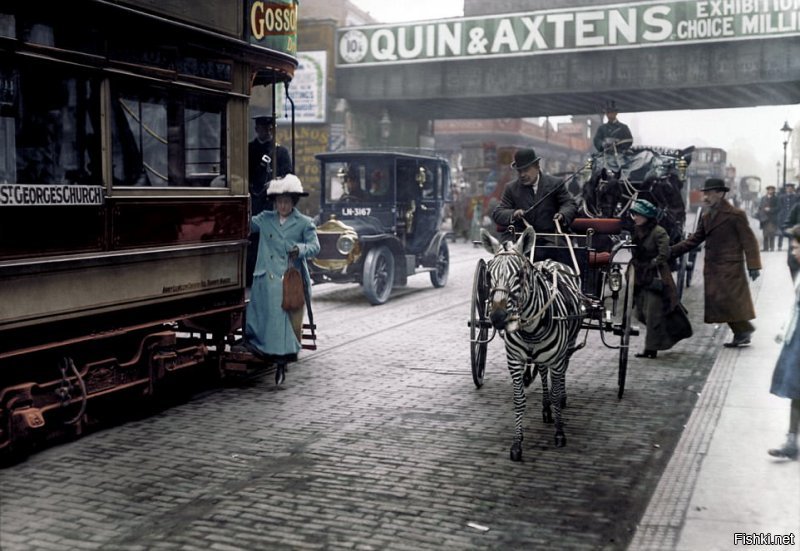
pixel 508 277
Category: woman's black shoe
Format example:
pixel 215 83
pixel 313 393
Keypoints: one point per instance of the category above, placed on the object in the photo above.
pixel 646 354
pixel 280 374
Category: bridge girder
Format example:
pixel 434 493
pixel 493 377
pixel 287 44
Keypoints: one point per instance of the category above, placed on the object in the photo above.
pixel 709 76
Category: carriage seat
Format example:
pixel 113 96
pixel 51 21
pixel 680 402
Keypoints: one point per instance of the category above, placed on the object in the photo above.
pixel 601 226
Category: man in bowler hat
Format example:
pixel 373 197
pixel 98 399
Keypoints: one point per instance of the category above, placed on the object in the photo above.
pixel 263 169
pixel 534 198
pixel 731 255
pixel 612 134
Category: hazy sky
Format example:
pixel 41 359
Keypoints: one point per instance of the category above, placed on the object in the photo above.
pixel 751 135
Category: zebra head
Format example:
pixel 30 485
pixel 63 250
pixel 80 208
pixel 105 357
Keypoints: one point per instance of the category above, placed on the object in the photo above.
pixel 508 275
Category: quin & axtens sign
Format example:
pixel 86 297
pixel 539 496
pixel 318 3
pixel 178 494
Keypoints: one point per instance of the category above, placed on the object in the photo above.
pixel 28 195
pixel 648 23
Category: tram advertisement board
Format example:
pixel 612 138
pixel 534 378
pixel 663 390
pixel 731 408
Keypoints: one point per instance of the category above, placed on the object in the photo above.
pixel 272 24
pixel 563 30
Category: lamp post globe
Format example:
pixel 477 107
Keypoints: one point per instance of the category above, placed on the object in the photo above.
pixel 787 132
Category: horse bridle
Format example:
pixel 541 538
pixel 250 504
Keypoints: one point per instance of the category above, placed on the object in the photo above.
pixel 526 265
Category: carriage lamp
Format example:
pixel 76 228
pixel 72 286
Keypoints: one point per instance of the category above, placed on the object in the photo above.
pixel 615 281
pixel 345 244
pixel 682 165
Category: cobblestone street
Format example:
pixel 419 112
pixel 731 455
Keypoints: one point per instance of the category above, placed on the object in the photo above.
pixel 378 440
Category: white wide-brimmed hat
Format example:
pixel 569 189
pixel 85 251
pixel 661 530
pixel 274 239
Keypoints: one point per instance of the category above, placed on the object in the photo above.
pixel 288 185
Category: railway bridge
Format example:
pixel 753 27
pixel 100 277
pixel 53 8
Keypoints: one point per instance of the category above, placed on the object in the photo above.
pixel 526 58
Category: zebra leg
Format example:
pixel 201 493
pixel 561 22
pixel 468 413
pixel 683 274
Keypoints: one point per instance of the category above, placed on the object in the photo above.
pixel 557 395
pixel 529 375
pixel 547 412
pixel 516 367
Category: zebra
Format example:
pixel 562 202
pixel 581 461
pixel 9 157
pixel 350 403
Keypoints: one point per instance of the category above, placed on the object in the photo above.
pixel 539 307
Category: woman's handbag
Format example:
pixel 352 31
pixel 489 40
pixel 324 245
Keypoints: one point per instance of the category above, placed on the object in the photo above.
pixel 293 292
pixel 677 323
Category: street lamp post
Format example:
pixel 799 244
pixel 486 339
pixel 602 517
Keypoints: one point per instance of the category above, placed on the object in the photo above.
pixel 787 131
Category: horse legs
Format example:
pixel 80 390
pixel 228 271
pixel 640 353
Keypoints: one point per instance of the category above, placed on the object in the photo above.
pixel 516 368
pixel 557 397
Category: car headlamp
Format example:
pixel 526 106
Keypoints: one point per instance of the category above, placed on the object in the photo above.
pixel 345 244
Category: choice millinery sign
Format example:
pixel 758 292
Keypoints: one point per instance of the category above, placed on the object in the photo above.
pixel 653 23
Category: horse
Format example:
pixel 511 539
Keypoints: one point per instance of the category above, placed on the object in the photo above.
pixel 537 306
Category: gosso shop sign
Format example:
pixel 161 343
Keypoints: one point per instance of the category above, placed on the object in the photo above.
pixel 563 30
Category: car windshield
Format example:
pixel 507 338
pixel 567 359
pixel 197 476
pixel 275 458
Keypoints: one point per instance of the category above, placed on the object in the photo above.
pixel 358 180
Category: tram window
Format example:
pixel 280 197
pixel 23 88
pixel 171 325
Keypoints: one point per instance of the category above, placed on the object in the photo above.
pixel 162 139
pixel 48 127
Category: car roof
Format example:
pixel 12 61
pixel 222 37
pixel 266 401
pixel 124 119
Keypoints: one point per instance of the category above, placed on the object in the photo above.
pixel 333 156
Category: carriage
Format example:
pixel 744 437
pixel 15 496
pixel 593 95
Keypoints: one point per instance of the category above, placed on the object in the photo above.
pixel 605 282
pixel 612 180
pixel 592 284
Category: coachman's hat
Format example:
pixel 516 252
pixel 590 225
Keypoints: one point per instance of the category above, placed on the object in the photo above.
pixel 263 120
pixel 645 208
pixel 288 185
pixel 524 158
pixel 611 107
pixel 715 184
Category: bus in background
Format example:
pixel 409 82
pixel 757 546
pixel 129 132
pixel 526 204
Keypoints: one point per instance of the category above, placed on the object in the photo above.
pixel 749 191
pixel 707 162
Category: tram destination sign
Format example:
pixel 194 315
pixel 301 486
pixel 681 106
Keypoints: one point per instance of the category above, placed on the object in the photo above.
pixel 35 195
pixel 563 30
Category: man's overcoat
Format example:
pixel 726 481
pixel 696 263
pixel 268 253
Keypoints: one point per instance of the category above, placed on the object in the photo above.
pixel 269 327
pixel 730 245
pixel 552 197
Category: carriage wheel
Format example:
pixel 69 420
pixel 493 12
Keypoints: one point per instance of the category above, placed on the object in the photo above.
pixel 625 339
pixel 479 330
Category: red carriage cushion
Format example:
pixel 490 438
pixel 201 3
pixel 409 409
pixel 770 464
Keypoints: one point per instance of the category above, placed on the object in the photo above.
pixel 607 226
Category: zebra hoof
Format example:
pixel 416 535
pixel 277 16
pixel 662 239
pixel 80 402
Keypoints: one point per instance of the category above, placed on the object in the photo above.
pixel 547 416
pixel 561 440
pixel 516 451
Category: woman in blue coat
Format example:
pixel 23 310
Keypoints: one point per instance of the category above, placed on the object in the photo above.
pixel 786 376
pixel 286 236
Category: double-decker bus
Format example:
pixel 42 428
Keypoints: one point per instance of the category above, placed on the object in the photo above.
pixel 124 203
pixel 707 162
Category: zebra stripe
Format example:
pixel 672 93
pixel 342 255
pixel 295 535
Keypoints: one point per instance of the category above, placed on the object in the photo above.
pixel 538 306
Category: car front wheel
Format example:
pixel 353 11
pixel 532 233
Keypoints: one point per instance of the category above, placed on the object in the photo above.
pixel 378 275
pixel 442 268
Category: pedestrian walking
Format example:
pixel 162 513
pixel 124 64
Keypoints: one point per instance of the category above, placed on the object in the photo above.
pixel 791 220
pixel 787 198
pixel 768 213
pixel 731 246
pixel 786 376
pixel 655 293
pixel 286 239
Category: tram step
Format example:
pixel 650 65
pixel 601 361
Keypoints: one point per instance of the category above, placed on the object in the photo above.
pixel 309 337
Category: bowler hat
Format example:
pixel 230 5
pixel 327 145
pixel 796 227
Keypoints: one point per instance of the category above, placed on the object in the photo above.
pixel 645 208
pixel 715 184
pixel 524 158
pixel 263 120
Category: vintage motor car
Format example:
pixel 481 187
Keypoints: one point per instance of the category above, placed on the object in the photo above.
pixel 380 219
